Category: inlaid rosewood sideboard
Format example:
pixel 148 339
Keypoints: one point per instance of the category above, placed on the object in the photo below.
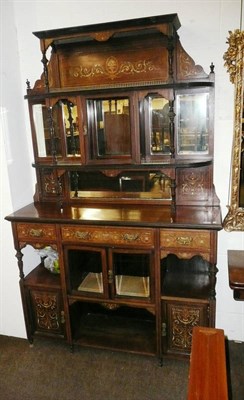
pixel 122 130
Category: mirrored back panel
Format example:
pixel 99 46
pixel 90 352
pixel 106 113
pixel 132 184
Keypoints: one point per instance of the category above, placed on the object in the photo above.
pixel 143 185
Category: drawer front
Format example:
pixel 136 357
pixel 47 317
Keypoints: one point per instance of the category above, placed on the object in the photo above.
pixel 108 235
pixel 36 232
pixel 185 239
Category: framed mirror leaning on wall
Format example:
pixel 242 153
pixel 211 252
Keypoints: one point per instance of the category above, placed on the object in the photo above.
pixel 234 61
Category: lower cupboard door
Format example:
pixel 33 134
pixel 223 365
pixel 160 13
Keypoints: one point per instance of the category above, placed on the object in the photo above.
pixel 178 319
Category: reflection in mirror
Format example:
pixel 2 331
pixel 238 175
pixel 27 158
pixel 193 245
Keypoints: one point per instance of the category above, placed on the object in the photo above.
pixel 71 127
pixel 43 130
pixel 152 185
pixel 53 122
pixel 159 125
pixel 234 61
pixel 192 123
pixel 109 127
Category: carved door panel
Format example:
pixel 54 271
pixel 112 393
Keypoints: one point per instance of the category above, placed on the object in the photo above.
pixel 179 318
pixel 47 315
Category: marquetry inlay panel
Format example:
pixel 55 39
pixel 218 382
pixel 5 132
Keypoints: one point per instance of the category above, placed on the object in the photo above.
pixel 46 310
pixel 182 317
pixel 116 66
pixel 186 65
pixel 109 235
pixel 185 239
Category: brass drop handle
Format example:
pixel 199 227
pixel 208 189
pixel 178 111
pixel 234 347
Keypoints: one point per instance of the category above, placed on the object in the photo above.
pixel 184 240
pixel 82 235
pixel 130 237
pixel 36 232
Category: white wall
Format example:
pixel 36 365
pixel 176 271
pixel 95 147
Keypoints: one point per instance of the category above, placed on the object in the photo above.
pixel 205 26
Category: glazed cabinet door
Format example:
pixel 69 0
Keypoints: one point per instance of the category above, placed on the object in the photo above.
pixel 131 274
pixel 86 271
pixel 111 274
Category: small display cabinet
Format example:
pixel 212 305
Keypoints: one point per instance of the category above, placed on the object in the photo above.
pixel 122 130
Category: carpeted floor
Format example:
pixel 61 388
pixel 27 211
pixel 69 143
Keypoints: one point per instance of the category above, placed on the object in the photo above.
pixel 48 371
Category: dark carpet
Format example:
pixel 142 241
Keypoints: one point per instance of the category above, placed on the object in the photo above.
pixel 49 371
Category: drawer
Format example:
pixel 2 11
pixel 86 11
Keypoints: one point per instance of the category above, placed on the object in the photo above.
pixel 45 232
pixel 185 239
pixel 108 235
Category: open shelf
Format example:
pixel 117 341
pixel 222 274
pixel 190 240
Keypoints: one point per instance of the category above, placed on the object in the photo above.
pixel 122 328
pixel 186 278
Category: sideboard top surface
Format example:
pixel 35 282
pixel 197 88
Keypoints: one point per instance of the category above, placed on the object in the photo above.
pixel 155 216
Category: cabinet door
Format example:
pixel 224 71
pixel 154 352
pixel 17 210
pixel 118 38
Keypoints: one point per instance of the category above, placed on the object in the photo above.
pixel 178 320
pixel 86 271
pixel 131 274
pixel 47 312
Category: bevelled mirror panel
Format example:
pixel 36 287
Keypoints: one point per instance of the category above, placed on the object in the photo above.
pixel 109 127
pixel 57 129
pixel 126 185
pixel 159 125
pixel 192 123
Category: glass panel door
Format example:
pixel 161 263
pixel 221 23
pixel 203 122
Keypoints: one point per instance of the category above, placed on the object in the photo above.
pixel 86 270
pixel 132 273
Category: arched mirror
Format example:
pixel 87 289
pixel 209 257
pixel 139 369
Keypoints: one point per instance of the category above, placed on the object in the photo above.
pixel 234 61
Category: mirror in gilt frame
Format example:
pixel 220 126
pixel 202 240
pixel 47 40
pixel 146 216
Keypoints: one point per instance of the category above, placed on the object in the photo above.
pixel 234 61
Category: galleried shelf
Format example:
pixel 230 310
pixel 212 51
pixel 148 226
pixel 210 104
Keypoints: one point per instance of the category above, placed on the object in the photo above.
pixel 122 129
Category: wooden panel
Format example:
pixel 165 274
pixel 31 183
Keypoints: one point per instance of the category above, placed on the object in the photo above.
pixel 114 63
pixel 36 231
pixel 208 377
pixel 193 185
pixel 185 239
pixel 108 235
